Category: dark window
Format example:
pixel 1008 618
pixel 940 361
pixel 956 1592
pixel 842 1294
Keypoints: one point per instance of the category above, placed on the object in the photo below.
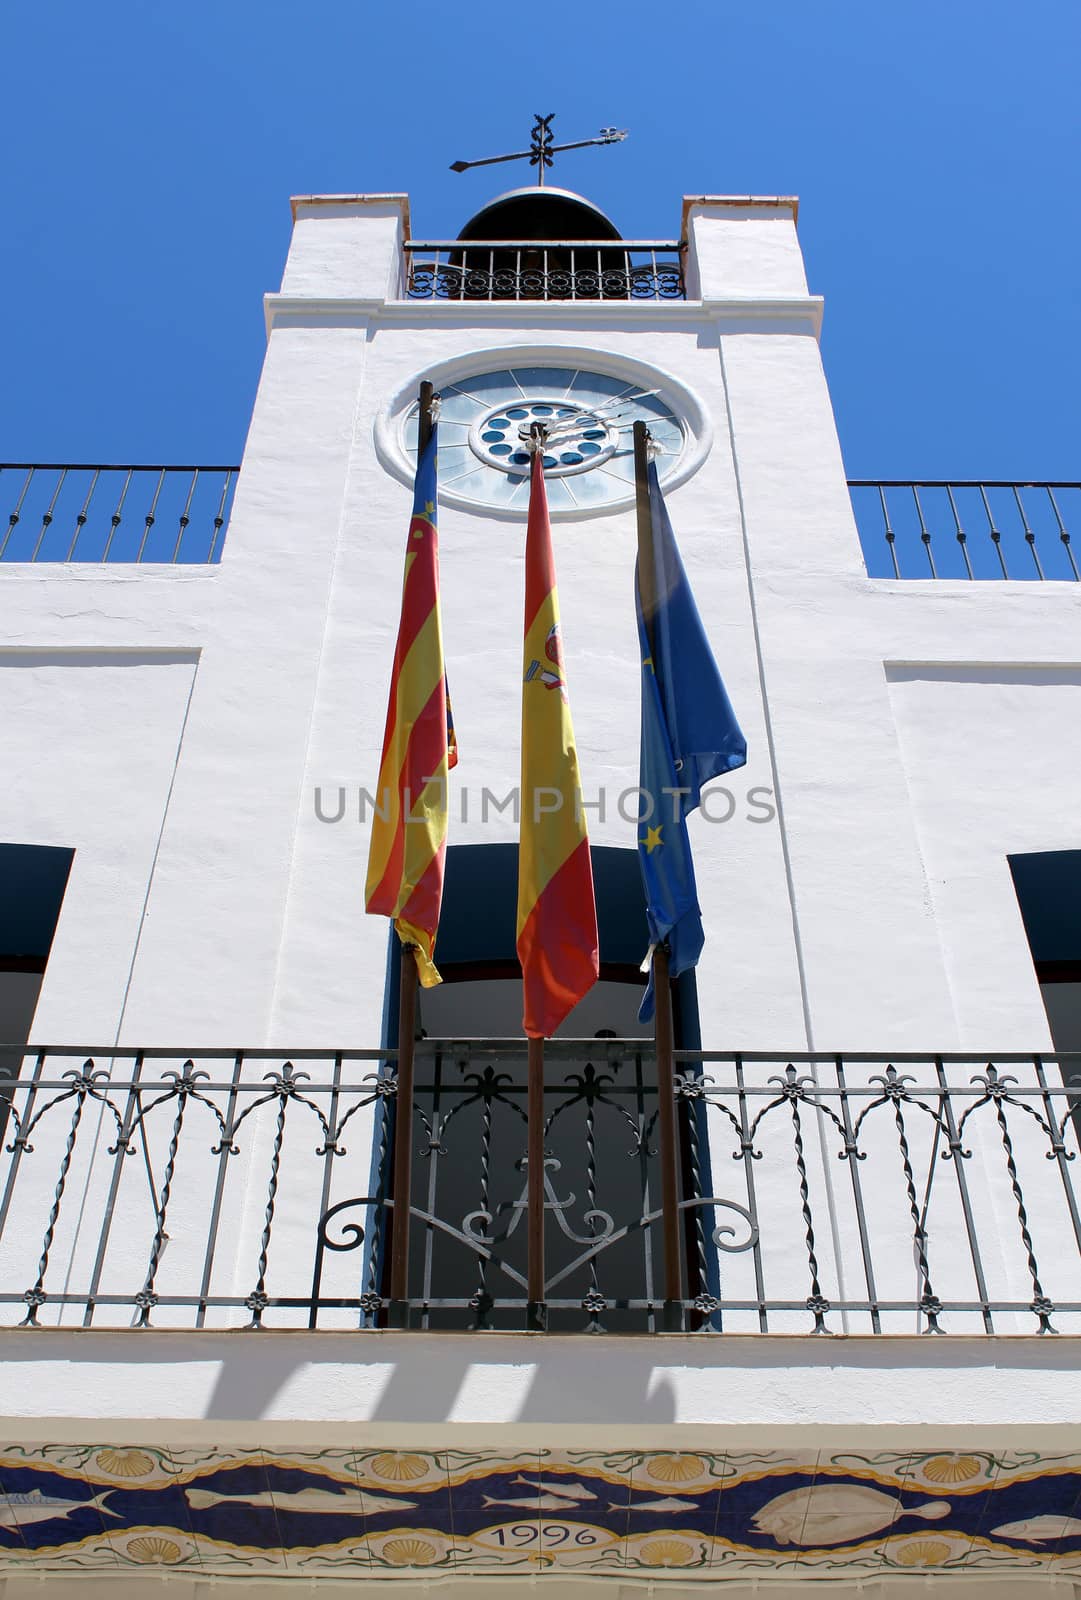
pixel 32 883
pixel 1048 885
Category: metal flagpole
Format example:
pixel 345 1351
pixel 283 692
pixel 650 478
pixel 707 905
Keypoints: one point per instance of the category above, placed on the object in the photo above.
pixel 663 1031
pixel 535 1313
pixel 407 1028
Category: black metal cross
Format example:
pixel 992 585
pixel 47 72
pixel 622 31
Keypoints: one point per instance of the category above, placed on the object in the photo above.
pixel 541 149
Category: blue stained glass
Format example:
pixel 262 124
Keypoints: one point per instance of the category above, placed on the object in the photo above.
pixel 500 450
pixel 550 461
pixel 493 438
pixel 594 433
pixel 570 458
pixel 518 413
pixel 588 449
pixel 542 411
pixel 498 422
pixel 520 458
pixel 566 411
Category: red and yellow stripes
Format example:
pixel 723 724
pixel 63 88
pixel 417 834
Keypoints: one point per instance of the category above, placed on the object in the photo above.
pixel 409 833
pixel 557 914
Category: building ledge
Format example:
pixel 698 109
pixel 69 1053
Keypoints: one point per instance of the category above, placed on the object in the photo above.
pixel 322 1385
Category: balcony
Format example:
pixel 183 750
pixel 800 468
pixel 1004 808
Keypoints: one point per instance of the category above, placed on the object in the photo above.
pixel 523 269
pixel 815 1193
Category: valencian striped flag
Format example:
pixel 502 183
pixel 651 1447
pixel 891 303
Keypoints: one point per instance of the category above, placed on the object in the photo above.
pixel 689 735
pixel 409 834
pixel 557 914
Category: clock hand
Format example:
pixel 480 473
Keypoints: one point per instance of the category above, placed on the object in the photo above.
pixel 623 400
pixel 594 418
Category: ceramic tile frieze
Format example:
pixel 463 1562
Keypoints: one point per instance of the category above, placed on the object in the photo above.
pixel 626 1513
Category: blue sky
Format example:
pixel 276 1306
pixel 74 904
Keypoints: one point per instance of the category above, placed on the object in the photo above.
pixel 151 148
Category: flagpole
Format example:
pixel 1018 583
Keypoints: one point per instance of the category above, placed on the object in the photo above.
pixel 535 1314
pixel 662 987
pixel 407 1030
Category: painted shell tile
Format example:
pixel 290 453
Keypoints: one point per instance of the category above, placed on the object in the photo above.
pixel 674 1468
pixel 399 1466
pixel 951 1469
pixel 919 1552
pixel 125 1463
pixel 667 1553
pixel 153 1549
pixel 410 1552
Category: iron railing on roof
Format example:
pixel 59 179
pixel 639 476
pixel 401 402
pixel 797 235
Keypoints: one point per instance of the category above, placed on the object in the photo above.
pixel 820 1193
pixel 522 269
pixel 101 513
pixel 176 515
pixel 967 528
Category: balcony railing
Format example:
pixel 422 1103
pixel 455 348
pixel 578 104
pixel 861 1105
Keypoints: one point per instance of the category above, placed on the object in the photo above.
pixel 79 513
pixel 177 515
pixel 963 528
pixel 819 1193
pixel 521 269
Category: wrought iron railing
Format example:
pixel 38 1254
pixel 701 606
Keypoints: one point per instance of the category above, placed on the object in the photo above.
pixel 80 513
pixel 964 528
pixel 819 1193
pixel 516 269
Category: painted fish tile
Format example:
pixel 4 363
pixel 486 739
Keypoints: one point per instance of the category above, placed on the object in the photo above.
pixel 928 1528
pixel 47 1511
pixel 746 1491
pixel 159 1508
pixel 1027 1513
pixel 675 1491
pixel 235 1506
pixel 499 1495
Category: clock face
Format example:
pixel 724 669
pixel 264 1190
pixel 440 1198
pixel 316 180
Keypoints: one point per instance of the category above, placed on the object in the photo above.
pixel 589 460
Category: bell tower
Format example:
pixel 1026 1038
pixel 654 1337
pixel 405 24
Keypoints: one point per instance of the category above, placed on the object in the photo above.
pixel 541 310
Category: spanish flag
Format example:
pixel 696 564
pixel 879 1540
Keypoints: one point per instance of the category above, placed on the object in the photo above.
pixel 409 835
pixel 557 914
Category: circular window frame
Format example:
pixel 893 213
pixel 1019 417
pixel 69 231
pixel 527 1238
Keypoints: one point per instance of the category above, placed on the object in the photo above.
pixel 389 427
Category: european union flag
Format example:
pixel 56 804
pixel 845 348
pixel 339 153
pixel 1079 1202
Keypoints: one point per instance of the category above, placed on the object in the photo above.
pixel 689 735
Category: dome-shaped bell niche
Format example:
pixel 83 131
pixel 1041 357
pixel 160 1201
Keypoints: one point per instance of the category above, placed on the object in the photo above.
pixel 542 243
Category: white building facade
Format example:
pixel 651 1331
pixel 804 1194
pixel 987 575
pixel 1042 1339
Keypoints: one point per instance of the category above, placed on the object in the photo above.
pixel 873 1110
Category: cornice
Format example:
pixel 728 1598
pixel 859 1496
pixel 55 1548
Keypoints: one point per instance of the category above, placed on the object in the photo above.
pixel 304 310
